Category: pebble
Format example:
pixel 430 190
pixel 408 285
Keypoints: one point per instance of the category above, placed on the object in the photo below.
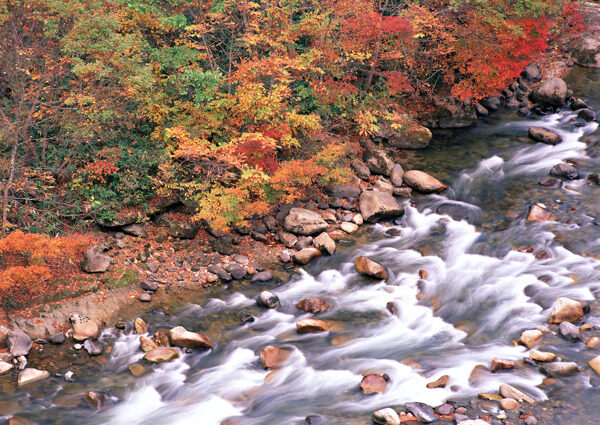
pixel 145 297
pixel 569 331
pixel 387 416
pixel 509 404
pixel 57 339
pixel 423 412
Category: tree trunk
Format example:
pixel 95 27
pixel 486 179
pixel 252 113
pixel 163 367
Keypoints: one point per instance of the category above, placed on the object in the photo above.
pixel 7 186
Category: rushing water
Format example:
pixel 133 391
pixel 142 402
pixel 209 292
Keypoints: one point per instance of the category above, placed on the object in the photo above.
pixel 480 293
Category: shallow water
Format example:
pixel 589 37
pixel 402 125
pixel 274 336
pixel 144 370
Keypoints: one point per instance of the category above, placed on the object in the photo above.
pixel 480 293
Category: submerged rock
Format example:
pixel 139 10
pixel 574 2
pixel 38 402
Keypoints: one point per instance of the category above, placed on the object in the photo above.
pixel 538 214
pixel 373 384
pixel 272 357
pixel 564 170
pixel 30 375
pixel 370 268
pixel 311 326
pixel 543 135
pixel 501 364
pixel 93 347
pixel 161 355
pixel 313 305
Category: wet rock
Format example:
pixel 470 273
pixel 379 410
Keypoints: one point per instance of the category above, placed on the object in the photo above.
pixel 304 222
pixel 304 256
pixel 501 364
pixel 538 214
pixel 559 368
pixel 530 338
pixel 423 182
pixel 542 356
pixel 595 364
pixel 342 191
pixel 509 404
pixel 246 317
pixel 361 169
pixel 564 170
pixel 264 276
pixel 93 347
pixel 348 227
pixel 421 411
pixel 587 52
pixel 136 229
pixel 140 326
pixel 181 337
pixel 565 310
pixel 149 285
pixel 586 115
pixel 272 357
pixel 30 375
pixel 161 355
pixel 550 93
pixel 145 297
pixel 393 308
pixel 444 409
pixel 550 183
pixel 267 299
pixel 324 243
pixel 4 367
pixel 375 206
pixel 287 239
pixel 313 305
pixel 373 384
pixel 137 369
pixel 378 162
pixel 147 344
pixel 83 327
pixel 18 343
pixel 161 337
pixel 311 326
pixel 441 382
pixel 569 331
pixel 543 135
pixel 397 175
pixel 508 391
pixel 481 110
pixel 94 400
pixel 458 212
pixel 406 134
pixel 95 261
pixel 382 185
pixel 370 268
pixel 314 420
pixel 593 342
pixel 387 416
pixel 532 72
pixel 236 271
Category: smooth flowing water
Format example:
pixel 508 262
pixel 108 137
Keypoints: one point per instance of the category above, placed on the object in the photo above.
pixel 481 291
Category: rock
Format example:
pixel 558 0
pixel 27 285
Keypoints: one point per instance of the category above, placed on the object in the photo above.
pixel 304 242
pixel 373 384
pixel 236 271
pixel 509 404
pixel 491 103
pixel 378 162
pixel 358 219
pixel 565 310
pixel 84 327
pixel 375 205
pixel 181 337
pixel 587 52
pixel 272 357
pixel 161 337
pixel 147 344
pixel 136 229
pixel 393 308
pixel 508 391
pixel 441 382
pixel 140 326
pixel 4 367
pixel 538 214
pixel 149 285
pixel 550 93
pixel 271 223
pixel 444 409
pixel 550 183
pixel 564 170
pixel 137 369
pixel 223 246
pixel 304 256
pixel 569 331
pixel 500 364
pixel 423 412
pixel 530 338
pixel 264 276
pixel 304 222
pixel 161 355
pixel 397 175
pixel 305 326
pixel 531 420
pixel 423 182
pixel 95 261
pixel 287 239
pixel 361 169
pixel 267 299
pixel 594 364
pixel 370 268
pixel 383 186
pixel 342 191
pixel 541 356
pixel 559 368
pixel 543 135
pixel 450 112
pixel 348 227
pixel 30 375
pixel 153 267
pixel 386 416
pixel 145 297
pixel 586 114
pixel 94 400
pixel 18 343
pixel 93 347
pixel 405 192
pixel 403 133
pixel 183 229
pixel 481 110
pixel 312 420
pixel 458 212
pixel 324 243
pixel 532 72
pixel 313 305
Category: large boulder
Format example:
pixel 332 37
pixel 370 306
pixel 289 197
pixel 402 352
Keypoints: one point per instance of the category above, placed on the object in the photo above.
pixel 95 261
pixel 404 133
pixel 532 73
pixel 587 52
pixel 304 222
pixel 378 162
pixel 306 255
pixel 551 93
pixel 324 243
pixel 450 112
pixel 18 343
pixel 543 135
pixel 84 327
pixel 342 191
pixel 423 182
pixel 565 310
pixel 180 229
pixel 370 268
pixel 375 205
pixel 180 337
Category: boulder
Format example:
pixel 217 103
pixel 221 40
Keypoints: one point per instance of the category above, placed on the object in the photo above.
pixel 161 355
pixel 508 391
pixel 532 73
pixel 18 343
pixel 361 169
pixel 450 112
pixel 287 239
pixel 30 375
pixel 370 268
pixel 543 135
pixel 180 337
pixel 267 299
pixel 136 229
pixel 147 344
pixel 376 205
pixel 272 357
pixel 538 214
pixel 4 367
pixel 565 170
pixel 397 175
pixel 423 182
pixel 311 326
pixel 587 52
pixel 324 243
pixel 530 338
pixel 304 256
pixel 569 331
pixel 348 227
pixel 84 327
pixel 403 134
pixel 342 191
pixel 378 162
pixel 550 93
pixel 382 185
pixel 387 416
pixel 559 368
pixel 95 261
pixel 541 356
pixel 140 326
pixel 423 412
pixel 595 364
pixel 565 310
pixel 373 384
pixel 304 222
pixel 313 305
